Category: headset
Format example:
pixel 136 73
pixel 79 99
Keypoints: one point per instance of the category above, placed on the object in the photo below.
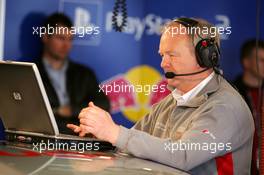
pixel 207 51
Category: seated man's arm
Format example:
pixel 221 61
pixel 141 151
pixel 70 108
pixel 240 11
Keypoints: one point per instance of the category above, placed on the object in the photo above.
pixel 228 127
pixel 214 133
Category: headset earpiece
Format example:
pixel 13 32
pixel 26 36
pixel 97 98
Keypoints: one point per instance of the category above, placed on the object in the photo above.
pixel 206 50
pixel 207 53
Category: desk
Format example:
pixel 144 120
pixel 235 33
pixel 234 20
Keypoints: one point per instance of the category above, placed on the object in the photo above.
pixel 19 161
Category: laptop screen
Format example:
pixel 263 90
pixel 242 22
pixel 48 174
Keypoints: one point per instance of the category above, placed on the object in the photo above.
pixel 24 105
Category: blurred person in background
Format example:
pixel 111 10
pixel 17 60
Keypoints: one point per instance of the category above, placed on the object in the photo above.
pixel 69 86
pixel 248 84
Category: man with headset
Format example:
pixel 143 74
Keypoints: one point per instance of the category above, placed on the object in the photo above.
pixel 204 126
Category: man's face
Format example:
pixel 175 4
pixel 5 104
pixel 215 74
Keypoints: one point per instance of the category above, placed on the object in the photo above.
pixel 178 56
pixel 250 64
pixel 58 45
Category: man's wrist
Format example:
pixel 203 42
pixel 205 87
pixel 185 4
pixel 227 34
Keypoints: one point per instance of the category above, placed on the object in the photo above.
pixel 114 134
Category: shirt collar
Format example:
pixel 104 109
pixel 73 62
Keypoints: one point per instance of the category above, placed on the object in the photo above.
pixel 182 99
pixel 48 66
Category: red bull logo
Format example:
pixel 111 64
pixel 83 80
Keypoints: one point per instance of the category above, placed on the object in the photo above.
pixel 134 92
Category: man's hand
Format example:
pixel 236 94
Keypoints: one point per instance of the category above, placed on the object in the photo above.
pixel 98 122
pixel 65 111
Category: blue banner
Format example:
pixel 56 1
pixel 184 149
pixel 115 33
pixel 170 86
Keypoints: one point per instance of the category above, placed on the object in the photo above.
pixel 131 57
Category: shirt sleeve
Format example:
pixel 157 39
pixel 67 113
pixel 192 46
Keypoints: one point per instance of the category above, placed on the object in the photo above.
pixel 213 133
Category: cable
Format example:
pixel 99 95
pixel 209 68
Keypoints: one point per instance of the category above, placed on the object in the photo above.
pixel 119 7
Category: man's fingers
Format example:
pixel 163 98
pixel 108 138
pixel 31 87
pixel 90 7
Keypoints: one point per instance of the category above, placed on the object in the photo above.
pixel 76 130
pixel 84 110
pixel 88 109
pixel 87 122
pixel 73 127
pixel 86 129
pixel 87 112
pixel 82 129
pixel 91 104
pixel 87 115
pixel 82 134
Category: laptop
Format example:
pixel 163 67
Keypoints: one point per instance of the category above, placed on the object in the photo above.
pixel 25 109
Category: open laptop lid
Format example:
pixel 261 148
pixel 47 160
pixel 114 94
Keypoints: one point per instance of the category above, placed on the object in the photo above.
pixel 24 105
